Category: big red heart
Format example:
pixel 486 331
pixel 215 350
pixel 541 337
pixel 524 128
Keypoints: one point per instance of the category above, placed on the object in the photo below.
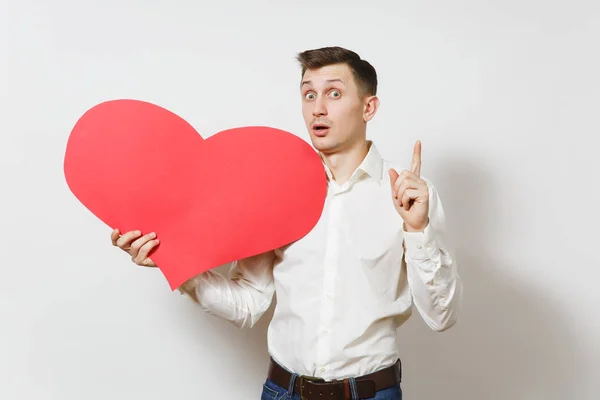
pixel 241 192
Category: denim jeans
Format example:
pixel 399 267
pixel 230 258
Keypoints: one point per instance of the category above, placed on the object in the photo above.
pixel 273 392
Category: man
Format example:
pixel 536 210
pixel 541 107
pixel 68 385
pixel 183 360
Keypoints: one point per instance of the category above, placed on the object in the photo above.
pixel 342 290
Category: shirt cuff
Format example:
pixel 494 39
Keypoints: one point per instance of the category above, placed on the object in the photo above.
pixel 419 245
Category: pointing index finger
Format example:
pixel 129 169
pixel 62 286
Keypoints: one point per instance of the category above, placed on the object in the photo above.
pixel 415 167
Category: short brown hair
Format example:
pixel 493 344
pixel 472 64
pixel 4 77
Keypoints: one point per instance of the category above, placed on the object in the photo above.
pixel 364 73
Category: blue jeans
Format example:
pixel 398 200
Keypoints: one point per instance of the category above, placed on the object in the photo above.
pixel 273 392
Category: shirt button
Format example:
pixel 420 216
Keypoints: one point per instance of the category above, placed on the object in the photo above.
pixel 323 369
pixel 419 247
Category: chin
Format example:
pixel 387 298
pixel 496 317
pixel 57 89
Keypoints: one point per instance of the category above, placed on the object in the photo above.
pixel 324 144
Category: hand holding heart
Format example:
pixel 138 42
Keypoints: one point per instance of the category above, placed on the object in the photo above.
pixel 137 246
pixel 410 194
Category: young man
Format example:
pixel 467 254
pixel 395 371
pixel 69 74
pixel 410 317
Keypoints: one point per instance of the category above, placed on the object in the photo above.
pixel 342 290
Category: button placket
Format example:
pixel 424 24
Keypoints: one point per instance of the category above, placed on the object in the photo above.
pixel 329 277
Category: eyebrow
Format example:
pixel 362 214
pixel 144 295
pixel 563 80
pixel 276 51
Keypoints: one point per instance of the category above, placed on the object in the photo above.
pixel 328 81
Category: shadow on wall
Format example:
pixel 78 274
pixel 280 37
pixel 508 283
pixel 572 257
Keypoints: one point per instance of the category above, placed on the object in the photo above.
pixel 510 342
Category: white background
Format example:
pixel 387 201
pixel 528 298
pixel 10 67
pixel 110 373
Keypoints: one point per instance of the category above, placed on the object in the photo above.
pixel 503 94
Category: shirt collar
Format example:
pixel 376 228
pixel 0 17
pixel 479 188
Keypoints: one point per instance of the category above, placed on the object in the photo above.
pixel 371 165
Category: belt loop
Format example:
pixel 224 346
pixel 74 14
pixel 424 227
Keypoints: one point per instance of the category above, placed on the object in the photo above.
pixel 353 389
pixel 290 392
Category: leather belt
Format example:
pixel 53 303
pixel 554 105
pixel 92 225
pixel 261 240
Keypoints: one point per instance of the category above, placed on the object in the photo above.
pixel 310 388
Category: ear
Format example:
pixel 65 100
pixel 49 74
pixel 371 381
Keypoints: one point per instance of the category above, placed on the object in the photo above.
pixel 371 104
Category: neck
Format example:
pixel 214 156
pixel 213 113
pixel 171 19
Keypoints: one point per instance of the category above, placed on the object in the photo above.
pixel 344 162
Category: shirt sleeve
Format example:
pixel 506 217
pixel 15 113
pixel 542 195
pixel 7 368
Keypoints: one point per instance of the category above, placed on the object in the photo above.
pixel 243 296
pixel 432 271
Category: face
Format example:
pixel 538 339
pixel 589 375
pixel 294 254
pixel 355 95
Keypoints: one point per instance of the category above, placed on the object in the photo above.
pixel 334 111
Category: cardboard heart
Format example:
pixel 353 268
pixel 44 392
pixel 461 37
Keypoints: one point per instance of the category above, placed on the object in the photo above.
pixel 241 192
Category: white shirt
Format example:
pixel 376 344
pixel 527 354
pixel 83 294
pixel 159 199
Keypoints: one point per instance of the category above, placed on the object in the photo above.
pixel 344 289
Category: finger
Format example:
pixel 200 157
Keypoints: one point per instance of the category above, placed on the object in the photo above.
pixel 398 184
pixel 406 183
pixel 412 183
pixel 406 174
pixel 149 263
pixel 408 196
pixel 137 244
pixel 124 242
pixel 114 236
pixel 415 167
pixel 416 187
pixel 144 252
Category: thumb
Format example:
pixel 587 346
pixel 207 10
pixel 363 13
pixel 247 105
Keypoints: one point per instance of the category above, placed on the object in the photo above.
pixel 393 177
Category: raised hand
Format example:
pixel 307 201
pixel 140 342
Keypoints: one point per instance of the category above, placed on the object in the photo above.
pixel 410 194
pixel 136 245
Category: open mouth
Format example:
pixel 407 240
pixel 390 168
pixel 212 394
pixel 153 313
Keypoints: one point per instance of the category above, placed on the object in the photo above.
pixel 320 129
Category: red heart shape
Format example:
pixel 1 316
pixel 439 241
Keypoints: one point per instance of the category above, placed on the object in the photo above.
pixel 239 193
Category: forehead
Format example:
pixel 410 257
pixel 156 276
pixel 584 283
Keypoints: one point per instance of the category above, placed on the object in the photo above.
pixel 324 75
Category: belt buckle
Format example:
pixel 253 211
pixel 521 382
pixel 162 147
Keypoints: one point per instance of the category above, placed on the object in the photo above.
pixel 305 378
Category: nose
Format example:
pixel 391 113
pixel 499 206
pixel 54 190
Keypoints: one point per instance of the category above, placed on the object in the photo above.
pixel 319 108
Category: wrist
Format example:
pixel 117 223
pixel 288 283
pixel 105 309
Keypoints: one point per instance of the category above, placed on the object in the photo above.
pixel 189 288
pixel 408 228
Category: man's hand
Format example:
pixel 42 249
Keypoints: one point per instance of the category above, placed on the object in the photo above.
pixel 410 194
pixel 137 246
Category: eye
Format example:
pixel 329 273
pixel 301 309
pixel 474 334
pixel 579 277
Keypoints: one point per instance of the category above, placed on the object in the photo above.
pixel 309 96
pixel 335 94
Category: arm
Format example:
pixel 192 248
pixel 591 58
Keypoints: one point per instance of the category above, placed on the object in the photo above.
pixel 242 297
pixel 432 269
